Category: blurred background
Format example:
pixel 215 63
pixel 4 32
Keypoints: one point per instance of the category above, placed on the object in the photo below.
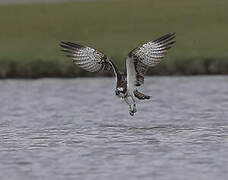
pixel 32 29
pixel 75 128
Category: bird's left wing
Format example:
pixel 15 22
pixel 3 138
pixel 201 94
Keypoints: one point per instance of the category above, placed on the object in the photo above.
pixel 86 57
pixel 145 56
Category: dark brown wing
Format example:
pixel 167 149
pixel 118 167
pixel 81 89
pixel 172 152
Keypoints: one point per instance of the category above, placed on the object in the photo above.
pixel 145 56
pixel 140 95
pixel 86 57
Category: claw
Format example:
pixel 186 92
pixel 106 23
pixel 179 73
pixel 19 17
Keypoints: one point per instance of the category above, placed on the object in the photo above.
pixel 131 113
pixel 132 110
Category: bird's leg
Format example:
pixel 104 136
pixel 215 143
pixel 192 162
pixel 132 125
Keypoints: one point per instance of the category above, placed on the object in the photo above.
pixel 131 112
pixel 134 105
pixel 127 101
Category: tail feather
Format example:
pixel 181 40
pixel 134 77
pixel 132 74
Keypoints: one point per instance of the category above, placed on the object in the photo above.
pixel 140 95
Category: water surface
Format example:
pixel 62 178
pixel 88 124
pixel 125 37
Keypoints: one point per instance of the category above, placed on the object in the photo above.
pixel 59 129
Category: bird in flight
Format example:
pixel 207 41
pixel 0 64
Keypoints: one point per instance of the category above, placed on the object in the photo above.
pixel 138 61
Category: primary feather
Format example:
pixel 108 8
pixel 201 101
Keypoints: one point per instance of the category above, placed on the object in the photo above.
pixel 86 57
pixel 145 56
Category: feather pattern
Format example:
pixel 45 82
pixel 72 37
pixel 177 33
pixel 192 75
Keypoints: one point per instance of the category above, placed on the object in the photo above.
pixel 148 55
pixel 86 57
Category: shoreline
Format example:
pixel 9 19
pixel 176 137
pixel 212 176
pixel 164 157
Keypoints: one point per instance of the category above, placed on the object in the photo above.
pixel 66 69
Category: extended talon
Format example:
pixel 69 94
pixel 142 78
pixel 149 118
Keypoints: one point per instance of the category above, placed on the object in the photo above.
pixel 134 108
pixel 131 113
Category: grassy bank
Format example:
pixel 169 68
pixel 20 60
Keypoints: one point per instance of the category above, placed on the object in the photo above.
pixel 62 68
pixel 30 34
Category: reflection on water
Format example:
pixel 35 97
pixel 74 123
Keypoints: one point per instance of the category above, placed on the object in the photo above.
pixel 78 129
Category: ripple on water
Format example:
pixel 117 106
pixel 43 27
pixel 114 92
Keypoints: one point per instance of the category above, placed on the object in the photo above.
pixel 77 129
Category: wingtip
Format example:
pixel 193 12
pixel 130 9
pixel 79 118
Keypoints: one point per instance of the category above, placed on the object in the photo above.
pixel 172 35
pixel 71 44
pixel 62 42
pixel 166 38
pixel 172 42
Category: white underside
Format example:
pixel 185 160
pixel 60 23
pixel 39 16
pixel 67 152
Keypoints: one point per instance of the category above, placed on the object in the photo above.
pixel 131 77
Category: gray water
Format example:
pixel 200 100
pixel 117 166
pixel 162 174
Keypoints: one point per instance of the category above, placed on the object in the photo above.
pixel 64 129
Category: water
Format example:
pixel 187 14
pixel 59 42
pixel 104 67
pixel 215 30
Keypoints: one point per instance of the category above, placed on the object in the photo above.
pixel 58 129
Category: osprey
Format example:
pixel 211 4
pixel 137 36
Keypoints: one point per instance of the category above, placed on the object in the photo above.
pixel 137 63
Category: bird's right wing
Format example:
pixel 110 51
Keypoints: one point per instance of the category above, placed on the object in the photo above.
pixel 145 56
pixel 86 57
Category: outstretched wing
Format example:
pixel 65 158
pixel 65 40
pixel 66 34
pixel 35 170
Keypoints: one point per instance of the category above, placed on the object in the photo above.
pixel 145 56
pixel 86 57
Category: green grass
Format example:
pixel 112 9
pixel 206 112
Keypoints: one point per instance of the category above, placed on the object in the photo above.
pixel 30 35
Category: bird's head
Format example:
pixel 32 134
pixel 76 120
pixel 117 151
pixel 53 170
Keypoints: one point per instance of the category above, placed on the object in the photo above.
pixel 119 91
